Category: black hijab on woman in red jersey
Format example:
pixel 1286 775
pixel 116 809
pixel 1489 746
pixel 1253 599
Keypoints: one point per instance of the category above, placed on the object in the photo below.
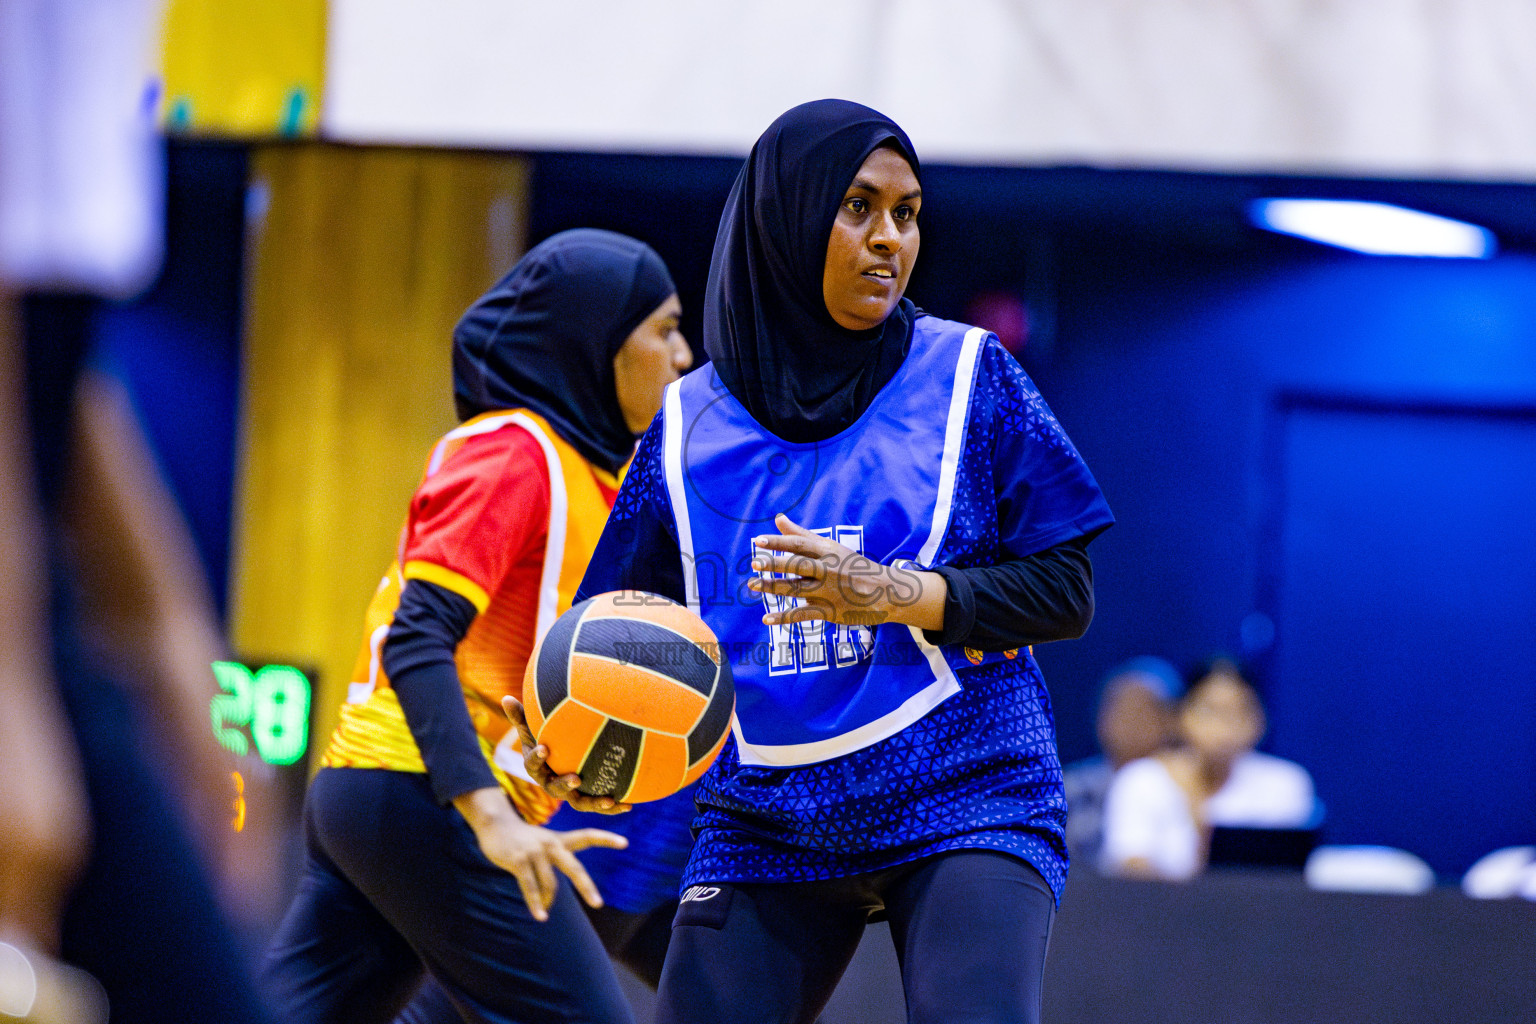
pixel 544 337
pixel 766 326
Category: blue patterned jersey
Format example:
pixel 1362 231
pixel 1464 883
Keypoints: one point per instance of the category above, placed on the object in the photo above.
pixel 977 770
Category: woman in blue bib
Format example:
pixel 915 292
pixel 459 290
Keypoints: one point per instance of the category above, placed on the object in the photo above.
pixel 877 514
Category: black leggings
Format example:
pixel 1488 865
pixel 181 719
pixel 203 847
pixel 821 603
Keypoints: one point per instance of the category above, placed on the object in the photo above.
pixel 395 887
pixel 970 927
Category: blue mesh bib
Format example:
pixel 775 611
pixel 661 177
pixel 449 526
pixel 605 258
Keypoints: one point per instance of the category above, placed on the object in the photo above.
pixel 884 486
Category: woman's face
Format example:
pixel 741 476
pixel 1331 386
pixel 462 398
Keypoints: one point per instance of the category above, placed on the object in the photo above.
pixel 873 245
pixel 1221 717
pixel 653 356
pixel 1133 721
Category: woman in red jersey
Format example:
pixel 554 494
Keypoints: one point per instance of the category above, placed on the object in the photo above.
pixel 426 851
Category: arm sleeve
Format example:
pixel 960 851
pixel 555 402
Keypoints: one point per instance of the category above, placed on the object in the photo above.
pixel 480 512
pixel 638 549
pixel 418 657
pixel 1020 601
pixel 1048 508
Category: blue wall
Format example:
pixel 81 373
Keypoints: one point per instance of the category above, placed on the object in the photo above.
pixel 1339 450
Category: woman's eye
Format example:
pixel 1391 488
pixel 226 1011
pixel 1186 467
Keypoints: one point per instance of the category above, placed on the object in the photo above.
pixel 856 205
pixel 904 213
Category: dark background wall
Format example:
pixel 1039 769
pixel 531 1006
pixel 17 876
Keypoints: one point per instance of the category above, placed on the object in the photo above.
pixel 177 346
pixel 1320 462
pixel 1325 464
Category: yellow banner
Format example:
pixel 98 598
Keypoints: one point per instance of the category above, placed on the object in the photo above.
pixel 243 70
pixel 363 259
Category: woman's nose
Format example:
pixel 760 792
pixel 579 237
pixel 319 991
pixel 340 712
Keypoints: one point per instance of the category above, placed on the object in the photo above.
pixel 884 235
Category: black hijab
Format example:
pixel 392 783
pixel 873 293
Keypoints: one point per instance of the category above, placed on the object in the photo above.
pixel 544 337
pixel 766 325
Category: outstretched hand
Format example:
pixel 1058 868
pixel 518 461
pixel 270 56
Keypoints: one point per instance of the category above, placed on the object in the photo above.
pixel 532 854
pixel 561 787
pixel 834 583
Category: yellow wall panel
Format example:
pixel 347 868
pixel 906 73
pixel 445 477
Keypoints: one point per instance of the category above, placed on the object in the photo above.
pixel 243 69
pixel 361 265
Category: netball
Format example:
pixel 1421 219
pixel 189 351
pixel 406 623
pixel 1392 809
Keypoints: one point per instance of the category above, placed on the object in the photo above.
pixel 629 690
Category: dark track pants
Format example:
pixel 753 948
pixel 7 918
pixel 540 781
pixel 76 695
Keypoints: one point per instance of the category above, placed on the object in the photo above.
pixel 970 928
pixel 395 884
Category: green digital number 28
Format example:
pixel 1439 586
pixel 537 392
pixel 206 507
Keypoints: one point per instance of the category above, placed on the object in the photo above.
pixel 273 702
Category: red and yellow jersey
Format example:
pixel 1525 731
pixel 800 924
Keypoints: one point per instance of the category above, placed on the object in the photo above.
pixel 507 516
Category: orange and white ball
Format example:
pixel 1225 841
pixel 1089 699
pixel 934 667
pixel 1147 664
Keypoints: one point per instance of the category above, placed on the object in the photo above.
pixel 632 692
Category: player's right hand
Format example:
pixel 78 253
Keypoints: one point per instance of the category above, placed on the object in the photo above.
pixel 561 787
pixel 532 854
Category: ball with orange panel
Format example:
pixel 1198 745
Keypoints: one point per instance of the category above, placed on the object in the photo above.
pixel 630 691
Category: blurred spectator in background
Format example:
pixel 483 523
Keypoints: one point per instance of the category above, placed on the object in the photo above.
pixel 106 626
pixel 1136 720
pixel 1160 810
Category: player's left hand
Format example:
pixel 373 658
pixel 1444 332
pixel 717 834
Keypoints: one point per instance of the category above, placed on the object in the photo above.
pixel 530 853
pixel 561 787
pixel 834 583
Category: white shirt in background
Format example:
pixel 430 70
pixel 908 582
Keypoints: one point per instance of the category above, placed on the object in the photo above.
pixel 1147 815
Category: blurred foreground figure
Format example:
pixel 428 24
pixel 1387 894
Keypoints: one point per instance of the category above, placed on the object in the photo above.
pixel 105 624
pixel 44 827
pixel 1160 810
pixel 1136 720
